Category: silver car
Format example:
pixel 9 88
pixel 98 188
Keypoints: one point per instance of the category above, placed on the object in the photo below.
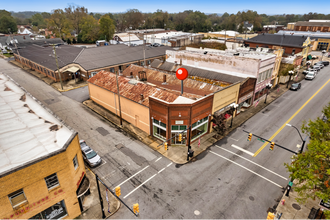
pixel 310 75
pixel 90 156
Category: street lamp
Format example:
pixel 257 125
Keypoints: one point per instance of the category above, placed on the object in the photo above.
pixel 268 86
pixel 323 52
pixel 233 108
pixel 302 147
pixel 290 74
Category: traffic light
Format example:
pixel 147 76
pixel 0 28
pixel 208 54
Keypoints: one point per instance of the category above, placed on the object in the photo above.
pixel 250 137
pixel 165 145
pixel 270 216
pixel 272 146
pixel 117 189
pixel 136 208
pixel 180 137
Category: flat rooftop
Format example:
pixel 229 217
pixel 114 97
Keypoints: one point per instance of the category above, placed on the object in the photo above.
pixel 28 132
pixel 259 55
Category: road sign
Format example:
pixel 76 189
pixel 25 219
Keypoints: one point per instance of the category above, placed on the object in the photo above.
pixel 290 183
pixel 260 140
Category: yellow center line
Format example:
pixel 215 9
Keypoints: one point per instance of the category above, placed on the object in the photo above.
pixel 287 122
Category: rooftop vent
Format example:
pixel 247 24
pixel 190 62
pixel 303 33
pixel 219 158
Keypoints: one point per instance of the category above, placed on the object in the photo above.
pixel 236 54
pixel 205 52
pixel 133 82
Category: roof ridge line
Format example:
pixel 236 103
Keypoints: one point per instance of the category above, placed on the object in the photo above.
pixel 78 55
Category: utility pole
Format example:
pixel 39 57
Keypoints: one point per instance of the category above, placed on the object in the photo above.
pixel 58 69
pixel 120 118
pixel 144 51
pixel 12 38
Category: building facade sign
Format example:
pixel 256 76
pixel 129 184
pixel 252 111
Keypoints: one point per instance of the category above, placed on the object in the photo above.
pixel 242 99
pixel 179 122
pixel 262 85
pixel 224 109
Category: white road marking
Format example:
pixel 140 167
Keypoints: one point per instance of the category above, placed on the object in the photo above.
pixel 161 170
pixel 148 180
pixel 241 149
pixel 140 185
pixel 158 159
pixel 233 139
pixel 131 177
pixel 252 162
pixel 247 169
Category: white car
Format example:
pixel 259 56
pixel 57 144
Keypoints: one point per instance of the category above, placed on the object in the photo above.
pixel 310 76
pixel 90 156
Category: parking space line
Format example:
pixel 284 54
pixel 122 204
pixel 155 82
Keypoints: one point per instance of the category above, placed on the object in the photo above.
pixel 252 162
pixel 158 159
pixel 233 139
pixel 148 180
pixel 241 149
pixel 247 169
pixel 131 177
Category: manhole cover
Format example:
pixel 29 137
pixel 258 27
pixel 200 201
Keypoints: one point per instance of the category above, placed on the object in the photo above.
pixel 196 212
pixel 296 206
pixel 251 198
pixel 102 131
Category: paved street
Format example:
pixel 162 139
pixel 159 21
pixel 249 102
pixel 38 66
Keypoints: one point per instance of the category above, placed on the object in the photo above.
pixel 224 182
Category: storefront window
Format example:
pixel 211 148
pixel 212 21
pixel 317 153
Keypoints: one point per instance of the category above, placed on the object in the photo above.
pixel 159 129
pixel 199 128
pixel 56 211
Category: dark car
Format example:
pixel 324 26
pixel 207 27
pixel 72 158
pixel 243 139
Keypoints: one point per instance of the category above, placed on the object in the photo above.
pixel 295 86
pixel 325 63
pixel 90 156
pixel 305 72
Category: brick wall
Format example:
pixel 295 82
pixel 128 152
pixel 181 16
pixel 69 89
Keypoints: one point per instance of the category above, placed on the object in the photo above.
pixel 31 180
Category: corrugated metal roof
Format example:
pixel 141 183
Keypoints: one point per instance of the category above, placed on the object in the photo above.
pixel 127 37
pixel 203 73
pixel 130 91
pixel 192 88
pixel 156 63
pixel 308 23
pixel 93 58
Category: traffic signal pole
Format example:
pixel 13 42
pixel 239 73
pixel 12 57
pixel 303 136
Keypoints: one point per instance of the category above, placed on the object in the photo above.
pixel 271 142
pixel 114 194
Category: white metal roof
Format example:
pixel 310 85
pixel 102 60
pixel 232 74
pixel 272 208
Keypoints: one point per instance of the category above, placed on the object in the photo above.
pixel 27 130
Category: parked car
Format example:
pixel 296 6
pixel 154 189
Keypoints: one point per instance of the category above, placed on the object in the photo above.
pixel 90 156
pixel 310 76
pixel 312 70
pixel 315 67
pixel 320 65
pixel 295 86
pixel 325 63
pixel 156 45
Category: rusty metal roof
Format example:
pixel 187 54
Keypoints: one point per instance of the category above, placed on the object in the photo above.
pixel 131 89
pixel 192 88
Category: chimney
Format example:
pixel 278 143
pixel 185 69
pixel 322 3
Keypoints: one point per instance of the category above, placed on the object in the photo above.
pixel 141 97
pixel 164 80
pixel 131 75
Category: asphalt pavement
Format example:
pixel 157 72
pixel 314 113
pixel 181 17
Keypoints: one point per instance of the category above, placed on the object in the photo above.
pixel 223 182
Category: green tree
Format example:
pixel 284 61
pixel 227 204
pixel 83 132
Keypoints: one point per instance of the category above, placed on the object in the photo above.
pixel 58 23
pixel 312 168
pixel 89 29
pixel 7 22
pixel 75 15
pixel 38 20
pixel 107 27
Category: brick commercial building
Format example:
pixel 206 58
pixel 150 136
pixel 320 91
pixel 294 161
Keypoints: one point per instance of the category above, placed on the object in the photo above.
pixel 83 63
pixel 242 64
pixel 151 101
pixel 291 44
pixel 42 172
pixel 313 26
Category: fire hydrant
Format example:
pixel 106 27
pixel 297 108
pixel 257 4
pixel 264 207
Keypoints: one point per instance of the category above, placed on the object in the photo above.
pixel 283 201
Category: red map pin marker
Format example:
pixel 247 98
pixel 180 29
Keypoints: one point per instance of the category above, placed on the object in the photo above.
pixel 181 74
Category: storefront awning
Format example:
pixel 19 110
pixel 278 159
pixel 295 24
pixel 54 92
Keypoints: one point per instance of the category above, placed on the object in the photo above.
pixel 72 69
pixel 309 57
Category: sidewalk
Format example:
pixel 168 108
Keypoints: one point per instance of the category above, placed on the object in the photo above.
pixel 91 204
pixel 178 153
pixel 291 209
pixel 67 85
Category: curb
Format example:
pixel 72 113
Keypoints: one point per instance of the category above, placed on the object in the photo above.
pixel 65 90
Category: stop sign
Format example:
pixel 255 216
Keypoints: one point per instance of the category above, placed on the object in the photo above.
pixel 181 74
